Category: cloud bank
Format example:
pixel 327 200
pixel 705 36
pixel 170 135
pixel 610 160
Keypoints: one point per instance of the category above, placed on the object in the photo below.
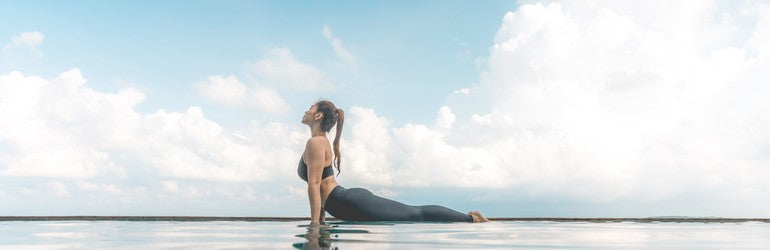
pixel 70 137
pixel 61 128
pixel 600 102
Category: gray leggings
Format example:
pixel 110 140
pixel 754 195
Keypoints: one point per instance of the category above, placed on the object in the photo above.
pixel 358 204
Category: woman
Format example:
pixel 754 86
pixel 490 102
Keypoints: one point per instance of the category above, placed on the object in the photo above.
pixel 356 204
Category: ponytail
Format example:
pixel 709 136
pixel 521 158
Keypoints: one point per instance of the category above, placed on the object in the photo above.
pixel 332 116
pixel 340 120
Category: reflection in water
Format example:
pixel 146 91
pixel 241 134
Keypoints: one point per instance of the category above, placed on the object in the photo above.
pixel 379 235
pixel 320 236
pixel 317 236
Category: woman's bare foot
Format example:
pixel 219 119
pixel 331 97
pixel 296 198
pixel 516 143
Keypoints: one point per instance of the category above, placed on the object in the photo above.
pixel 477 217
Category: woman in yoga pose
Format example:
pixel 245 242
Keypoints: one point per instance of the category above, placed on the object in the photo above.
pixel 354 204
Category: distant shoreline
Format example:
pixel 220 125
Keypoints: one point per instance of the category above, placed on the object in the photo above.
pixel 236 218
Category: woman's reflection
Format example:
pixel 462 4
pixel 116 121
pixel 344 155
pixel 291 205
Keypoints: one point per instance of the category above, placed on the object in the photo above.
pixel 317 236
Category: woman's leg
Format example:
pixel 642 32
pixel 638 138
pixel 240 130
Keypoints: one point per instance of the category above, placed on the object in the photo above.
pixel 376 208
pixel 440 213
pixel 361 205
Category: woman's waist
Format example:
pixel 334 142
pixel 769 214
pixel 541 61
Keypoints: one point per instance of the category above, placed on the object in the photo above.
pixel 327 185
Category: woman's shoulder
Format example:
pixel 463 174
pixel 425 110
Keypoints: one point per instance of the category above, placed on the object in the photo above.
pixel 317 141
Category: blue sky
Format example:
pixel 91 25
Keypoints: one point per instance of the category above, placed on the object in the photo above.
pixel 605 108
pixel 168 45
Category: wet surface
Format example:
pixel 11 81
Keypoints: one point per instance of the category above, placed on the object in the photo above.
pixel 381 235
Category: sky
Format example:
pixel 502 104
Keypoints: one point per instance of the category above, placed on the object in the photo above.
pixel 513 108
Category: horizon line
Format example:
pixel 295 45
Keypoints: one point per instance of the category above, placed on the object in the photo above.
pixel 278 218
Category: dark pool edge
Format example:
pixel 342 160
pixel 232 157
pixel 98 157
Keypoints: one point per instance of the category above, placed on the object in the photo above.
pixel 236 218
pixel 149 218
pixel 646 219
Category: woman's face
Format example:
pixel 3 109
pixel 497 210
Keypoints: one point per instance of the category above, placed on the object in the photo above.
pixel 309 114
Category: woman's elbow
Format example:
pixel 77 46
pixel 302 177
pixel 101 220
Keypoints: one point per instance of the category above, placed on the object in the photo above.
pixel 313 184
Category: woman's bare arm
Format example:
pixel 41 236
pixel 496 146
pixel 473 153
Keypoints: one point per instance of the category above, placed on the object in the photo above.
pixel 314 157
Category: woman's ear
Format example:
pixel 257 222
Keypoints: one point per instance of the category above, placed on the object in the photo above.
pixel 318 116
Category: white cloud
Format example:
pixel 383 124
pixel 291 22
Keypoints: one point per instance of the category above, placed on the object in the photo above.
pixel 24 45
pixel 110 189
pixel 26 40
pixel 170 186
pixel 298 192
pixel 58 189
pixel 61 128
pixel 38 126
pixel 415 155
pixel 597 102
pixel 230 91
pixel 445 118
pixel 464 91
pixel 88 145
pixel 367 155
pixel 279 68
pixel 603 99
pixel 347 59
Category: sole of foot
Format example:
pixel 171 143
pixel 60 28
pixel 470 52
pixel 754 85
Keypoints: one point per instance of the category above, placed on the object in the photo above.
pixel 477 217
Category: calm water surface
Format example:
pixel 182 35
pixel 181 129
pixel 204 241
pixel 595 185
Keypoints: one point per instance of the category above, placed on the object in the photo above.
pixel 345 235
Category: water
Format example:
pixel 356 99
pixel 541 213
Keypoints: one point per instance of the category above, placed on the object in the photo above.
pixel 344 235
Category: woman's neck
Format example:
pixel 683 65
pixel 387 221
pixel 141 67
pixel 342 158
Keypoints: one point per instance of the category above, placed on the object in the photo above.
pixel 316 131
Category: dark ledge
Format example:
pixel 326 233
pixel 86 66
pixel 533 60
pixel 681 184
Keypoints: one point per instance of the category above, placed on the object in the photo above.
pixel 645 219
pixel 234 218
pixel 150 218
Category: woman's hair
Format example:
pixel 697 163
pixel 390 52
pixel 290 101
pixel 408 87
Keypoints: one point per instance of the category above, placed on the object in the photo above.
pixel 332 116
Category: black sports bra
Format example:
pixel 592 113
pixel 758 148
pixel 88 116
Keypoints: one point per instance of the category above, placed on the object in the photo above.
pixel 302 170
